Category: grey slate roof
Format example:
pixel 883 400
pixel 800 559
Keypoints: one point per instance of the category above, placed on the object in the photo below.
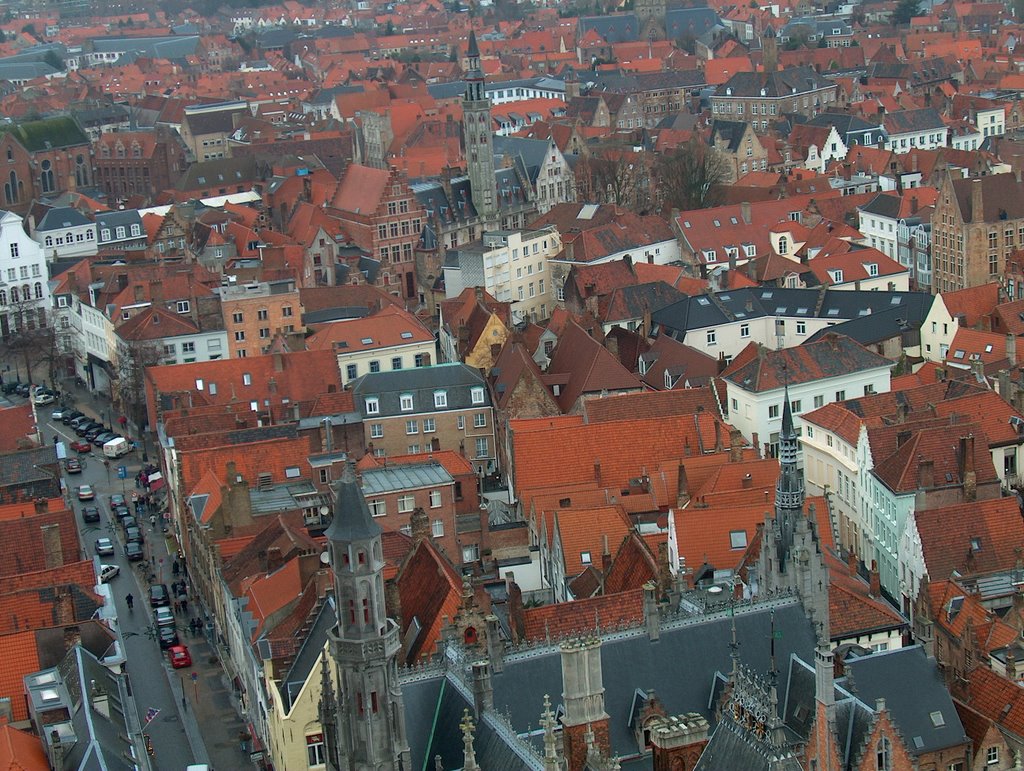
pixel 713 309
pixel 28 466
pixel 457 379
pixel 781 84
pixel 874 328
pixel 405 476
pixel 308 659
pixel 908 121
pixel 693 21
pixel 730 131
pixel 731 746
pixel 672 667
pixel 163 47
pixel 24 70
pixel 884 205
pixel 531 151
pixel 628 83
pixel 60 218
pixel 915 696
pixel 351 519
pixel 615 28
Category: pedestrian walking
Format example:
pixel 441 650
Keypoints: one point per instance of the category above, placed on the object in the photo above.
pixel 152 521
pixel 177 607
pixel 183 602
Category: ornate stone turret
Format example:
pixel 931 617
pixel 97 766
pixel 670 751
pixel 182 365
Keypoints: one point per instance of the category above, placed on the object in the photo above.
pixel 369 719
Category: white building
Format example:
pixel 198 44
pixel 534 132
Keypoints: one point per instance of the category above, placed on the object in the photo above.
pixel 921 129
pixel 512 266
pixel 879 222
pixel 66 234
pixel 24 281
pixel 831 369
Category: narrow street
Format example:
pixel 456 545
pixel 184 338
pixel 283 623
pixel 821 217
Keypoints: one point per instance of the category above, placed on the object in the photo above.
pixel 173 731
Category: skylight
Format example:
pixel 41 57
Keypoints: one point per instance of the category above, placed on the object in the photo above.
pixel 367 341
pixel 718 224
pixel 937 719
pixel 833 311
pixel 766 295
pixel 988 348
pixel 703 301
pixel 958 354
pixel 407 335
pixel 724 298
pixel 801 310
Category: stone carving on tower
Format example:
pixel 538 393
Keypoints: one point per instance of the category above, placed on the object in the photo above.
pixel 479 139
pixel 368 722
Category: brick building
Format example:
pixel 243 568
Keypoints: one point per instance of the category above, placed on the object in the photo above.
pixel 384 219
pixel 255 313
pixel 761 97
pixel 444 407
pixel 977 224
pixel 137 163
pixel 44 157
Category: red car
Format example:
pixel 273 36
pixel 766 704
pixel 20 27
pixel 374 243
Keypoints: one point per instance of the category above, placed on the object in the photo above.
pixel 81 446
pixel 179 656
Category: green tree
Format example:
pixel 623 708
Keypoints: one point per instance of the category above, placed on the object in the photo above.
pixel 905 11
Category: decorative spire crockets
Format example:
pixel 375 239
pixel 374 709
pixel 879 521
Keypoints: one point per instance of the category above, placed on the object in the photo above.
pixel 789 487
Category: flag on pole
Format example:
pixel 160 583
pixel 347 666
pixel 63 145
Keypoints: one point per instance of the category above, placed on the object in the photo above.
pixel 151 714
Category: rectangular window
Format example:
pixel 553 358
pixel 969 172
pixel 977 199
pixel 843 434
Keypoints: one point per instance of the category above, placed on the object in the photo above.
pixel 796 406
pixel 479 419
pixel 435 499
pixel 991 756
pixel 237 318
pixel 711 337
pixel 738 539
pixel 406 503
pixel 316 755
pixel 261 314
pixel 264 333
pixel 412 427
pixel 773 411
pixel 470 553
pixel 378 507
pixel 352 371
pixel 744 330
pixel 286 310
pixel 440 399
pixel 246 378
pixel 477 395
pixel 462 422
pixel 840 396
pixel 188 347
pixel 481 447
pixel 240 336
pixel 429 426
pixel 374 365
pixel 372 405
pixel 405 402
pixel 376 430
pixel 396 362
pixel 818 401
pixel 801 327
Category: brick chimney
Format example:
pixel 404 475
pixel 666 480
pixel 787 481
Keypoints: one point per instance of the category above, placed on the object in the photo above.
pixel 851 562
pixel 757 447
pixel 53 547
pixel 925 473
pixel 977 201
pixel 967 472
pixel 875 583
pixel 683 491
pixel 274 559
pixel 597 471
pixel 735 446
pixel 278 361
pixel 677 741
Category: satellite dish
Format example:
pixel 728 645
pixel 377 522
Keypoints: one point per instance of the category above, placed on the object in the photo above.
pixel 325 558
pixel 325 510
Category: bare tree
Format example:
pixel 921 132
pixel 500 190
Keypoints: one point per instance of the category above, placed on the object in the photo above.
pixel 133 357
pixel 691 177
pixel 26 337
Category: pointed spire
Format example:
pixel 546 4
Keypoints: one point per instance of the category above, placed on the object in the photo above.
pixel 474 49
pixel 468 753
pixel 351 520
pixel 548 723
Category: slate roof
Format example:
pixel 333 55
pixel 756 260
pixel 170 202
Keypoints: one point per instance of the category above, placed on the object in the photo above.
pixel 872 329
pixel 351 519
pixel 780 84
pixel 309 655
pixel 629 661
pixel 913 121
pixel 883 205
pixel 1000 194
pixel 421 382
pixel 913 689
pixel 830 356
pixel 729 131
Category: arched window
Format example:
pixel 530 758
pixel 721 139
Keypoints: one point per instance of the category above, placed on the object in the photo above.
pixel 3 297
pixel 14 294
pixel 26 292
pixel 10 154
pixel 46 177
pixel 470 636
pixel 783 245
pixel 11 188
pixel 883 755
pixel 81 172
pixel 39 291
pixel 49 240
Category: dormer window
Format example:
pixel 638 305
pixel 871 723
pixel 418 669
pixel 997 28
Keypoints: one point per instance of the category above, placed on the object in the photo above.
pixel 406 403
pixel 183 306
pixel 476 395
pixel 372 405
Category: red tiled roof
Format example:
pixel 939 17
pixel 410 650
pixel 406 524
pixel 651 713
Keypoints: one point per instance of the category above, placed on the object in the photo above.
pixel 21 751
pixel 19 428
pixel 973 303
pixel 633 565
pixel 948 535
pixel 430 591
pixel 28 534
pixel 590 367
pixel 975 345
pixel 360 189
pixel 651 404
pixel 566 619
pixel 19 656
pixel 997 698
pixel 852 609
pixel 385 329
pixel 899 471
pixel 582 531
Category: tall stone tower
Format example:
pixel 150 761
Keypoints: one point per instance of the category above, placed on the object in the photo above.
pixel 367 713
pixel 791 557
pixel 479 138
pixel 770 49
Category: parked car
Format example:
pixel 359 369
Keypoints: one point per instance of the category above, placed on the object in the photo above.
pixel 71 416
pixel 159 597
pixel 92 433
pixel 81 446
pixel 133 551
pixel 108 573
pixel 167 636
pixel 102 438
pixel 116 500
pixel 79 419
pixel 90 514
pixel 59 413
pixel 133 535
pixel 104 547
pixel 163 616
pixel 85 427
pixel 23 389
pixel 86 493
pixel 44 397
pixel 73 466
pixel 179 656
pixel 10 388
pixel 120 512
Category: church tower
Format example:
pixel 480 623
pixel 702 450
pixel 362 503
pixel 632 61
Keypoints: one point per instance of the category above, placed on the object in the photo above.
pixel 770 49
pixel 791 556
pixel 479 138
pixel 368 718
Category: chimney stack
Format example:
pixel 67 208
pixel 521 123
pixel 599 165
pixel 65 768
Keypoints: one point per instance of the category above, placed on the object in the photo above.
pixel 274 559
pixel 483 691
pixel 925 473
pixel 977 201
pixel 683 490
pixel 968 475
pixel 875 588
pixel 597 472
pixel 1011 349
pixel 757 447
pixel 735 446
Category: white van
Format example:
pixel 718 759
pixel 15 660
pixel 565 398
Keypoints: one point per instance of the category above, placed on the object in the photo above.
pixel 115 448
